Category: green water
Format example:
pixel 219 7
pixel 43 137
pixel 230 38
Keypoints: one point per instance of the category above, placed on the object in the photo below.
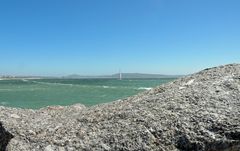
pixel 44 92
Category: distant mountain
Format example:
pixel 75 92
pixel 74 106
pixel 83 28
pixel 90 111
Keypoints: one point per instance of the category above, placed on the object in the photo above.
pixel 124 75
pixel 141 75
pixel 76 76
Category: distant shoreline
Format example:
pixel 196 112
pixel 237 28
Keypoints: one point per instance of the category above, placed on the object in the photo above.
pixel 114 76
pixel 1 79
pixel 20 78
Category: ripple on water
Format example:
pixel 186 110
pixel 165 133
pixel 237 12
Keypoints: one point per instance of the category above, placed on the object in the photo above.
pixel 3 103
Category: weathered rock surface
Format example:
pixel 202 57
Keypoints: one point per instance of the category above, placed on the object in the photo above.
pixel 198 112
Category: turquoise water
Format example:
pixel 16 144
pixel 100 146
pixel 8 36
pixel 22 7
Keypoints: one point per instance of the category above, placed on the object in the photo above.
pixel 44 92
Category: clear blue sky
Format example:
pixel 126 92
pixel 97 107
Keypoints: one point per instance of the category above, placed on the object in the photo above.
pixel 92 37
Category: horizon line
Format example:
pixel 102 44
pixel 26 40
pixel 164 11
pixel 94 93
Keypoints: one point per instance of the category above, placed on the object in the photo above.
pixel 87 75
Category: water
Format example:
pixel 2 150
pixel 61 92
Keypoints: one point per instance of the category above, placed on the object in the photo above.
pixel 45 92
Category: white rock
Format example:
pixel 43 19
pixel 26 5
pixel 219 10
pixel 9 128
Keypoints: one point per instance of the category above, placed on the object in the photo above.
pixel 15 116
pixel 190 82
pixel 180 88
pixel 49 148
pixel 61 149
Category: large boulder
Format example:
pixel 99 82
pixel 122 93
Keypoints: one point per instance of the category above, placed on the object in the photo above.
pixel 200 112
pixel 5 137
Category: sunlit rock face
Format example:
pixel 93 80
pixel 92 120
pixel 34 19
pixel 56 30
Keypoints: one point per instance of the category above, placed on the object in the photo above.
pixel 200 112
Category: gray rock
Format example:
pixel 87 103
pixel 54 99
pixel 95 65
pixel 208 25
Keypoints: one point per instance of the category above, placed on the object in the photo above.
pixel 200 112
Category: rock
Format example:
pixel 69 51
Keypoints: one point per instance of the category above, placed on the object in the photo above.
pixel 199 112
pixel 105 147
pixel 5 137
pixel 15 116
pixel 190 82
pixel 61 149
pixel 49 148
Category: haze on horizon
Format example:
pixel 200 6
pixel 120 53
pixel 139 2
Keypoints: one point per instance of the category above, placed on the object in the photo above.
pixel 60 37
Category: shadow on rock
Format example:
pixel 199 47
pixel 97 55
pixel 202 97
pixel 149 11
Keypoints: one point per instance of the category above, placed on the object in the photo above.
pixel 5 138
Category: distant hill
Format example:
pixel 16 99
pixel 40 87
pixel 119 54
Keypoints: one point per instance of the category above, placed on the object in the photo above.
pixel 124 75
pixel 141 75
pixel 113 76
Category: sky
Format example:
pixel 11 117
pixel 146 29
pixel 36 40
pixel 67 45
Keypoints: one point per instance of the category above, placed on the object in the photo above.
pixel 98 37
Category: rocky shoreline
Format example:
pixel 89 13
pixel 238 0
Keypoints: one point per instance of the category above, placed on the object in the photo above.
pixel 200 112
